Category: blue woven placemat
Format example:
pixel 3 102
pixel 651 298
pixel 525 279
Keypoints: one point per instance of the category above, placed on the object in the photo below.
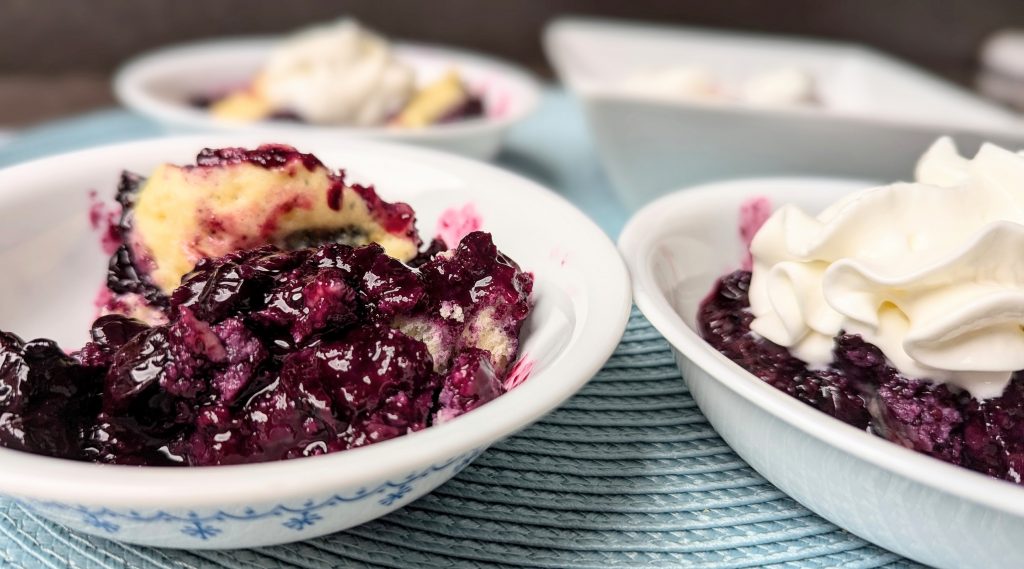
pixel 626 474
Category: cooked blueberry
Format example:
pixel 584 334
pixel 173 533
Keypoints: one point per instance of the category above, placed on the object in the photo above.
pixel 47 398
pixel 267 355
pixel 469 383
pixel 123 277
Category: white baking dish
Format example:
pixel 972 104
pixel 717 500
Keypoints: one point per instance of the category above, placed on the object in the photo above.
pixel 877 113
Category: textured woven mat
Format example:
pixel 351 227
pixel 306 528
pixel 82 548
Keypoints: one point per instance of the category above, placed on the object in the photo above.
pixel 626 474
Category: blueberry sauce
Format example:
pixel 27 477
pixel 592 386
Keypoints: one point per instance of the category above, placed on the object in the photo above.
pixel 266 156
pixel 267 355
pixel 471 108
pixel 860 388
pixel 334 194
pixel 396 217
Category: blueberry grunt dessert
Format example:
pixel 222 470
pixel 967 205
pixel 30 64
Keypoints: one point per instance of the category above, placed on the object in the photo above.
pixel 269 346
pixel 896 310
pixel 344 74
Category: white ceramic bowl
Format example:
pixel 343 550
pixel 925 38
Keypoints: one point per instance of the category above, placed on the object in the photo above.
pixel 910 503
pixel 160 84
pixel 53 267
pixel 878 112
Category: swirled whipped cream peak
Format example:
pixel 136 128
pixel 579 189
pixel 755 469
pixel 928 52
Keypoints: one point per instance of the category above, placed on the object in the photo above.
pixel 931 272
pixel 339 73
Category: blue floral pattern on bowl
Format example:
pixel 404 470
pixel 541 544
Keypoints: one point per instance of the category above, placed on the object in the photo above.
pixel 308 516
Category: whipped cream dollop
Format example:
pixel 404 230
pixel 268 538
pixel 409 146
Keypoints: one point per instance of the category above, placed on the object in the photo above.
pixel 339 73
pixel 931 272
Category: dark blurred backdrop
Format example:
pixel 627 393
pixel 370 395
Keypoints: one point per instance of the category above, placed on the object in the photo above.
pixel 56 55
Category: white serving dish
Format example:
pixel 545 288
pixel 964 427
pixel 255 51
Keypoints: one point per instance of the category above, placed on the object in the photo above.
pixel 53 268
pixel 917 506
pixel 160 84
pixel 878 112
